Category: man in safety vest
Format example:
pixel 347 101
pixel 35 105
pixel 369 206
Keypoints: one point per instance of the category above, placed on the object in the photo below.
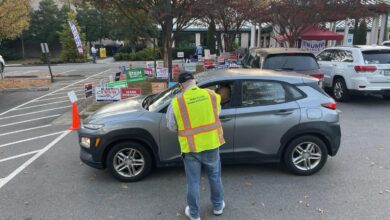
pixel 194 114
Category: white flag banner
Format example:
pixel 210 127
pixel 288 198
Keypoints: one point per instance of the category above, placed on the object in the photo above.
pixel 314 46
pixel 76 37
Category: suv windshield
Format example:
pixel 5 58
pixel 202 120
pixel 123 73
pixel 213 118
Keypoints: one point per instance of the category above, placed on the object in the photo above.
pixel 294 62
pixel 155 101
pixel 376 56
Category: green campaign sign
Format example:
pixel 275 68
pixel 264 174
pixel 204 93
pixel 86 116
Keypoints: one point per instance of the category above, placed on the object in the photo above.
pixel 117 84
pixel 135 75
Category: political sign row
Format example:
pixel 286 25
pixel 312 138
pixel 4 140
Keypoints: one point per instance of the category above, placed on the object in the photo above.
pixel 113 94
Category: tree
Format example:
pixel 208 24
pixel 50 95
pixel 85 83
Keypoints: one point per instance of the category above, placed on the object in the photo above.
pixel 166 13
pixel 361 35
pixel 69 51
pixel 14 18
pixel 211 37
pixel 46 23
pixel 94 23
pixel 228 15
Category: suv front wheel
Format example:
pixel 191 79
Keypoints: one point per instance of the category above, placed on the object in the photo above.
pixel 340 90
pixel 305 155
pixel 129 161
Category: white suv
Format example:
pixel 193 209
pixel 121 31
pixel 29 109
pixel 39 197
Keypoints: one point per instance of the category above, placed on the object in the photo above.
pixel 354 70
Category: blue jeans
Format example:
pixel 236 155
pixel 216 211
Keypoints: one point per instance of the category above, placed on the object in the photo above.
pixel 211 162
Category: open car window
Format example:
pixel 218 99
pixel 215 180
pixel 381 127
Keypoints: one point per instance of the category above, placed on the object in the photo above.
pixel 156 101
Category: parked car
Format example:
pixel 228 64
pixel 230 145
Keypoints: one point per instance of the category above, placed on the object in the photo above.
pixel 356 70
pixel 286 59
pixel 2 65
pixel 386 43
pixel 272 116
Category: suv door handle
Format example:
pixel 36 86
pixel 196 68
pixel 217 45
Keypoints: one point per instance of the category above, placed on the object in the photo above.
pixel 284 112
pixel 224 118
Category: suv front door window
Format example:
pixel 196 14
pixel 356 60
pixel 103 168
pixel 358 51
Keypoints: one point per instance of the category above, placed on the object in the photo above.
pixel 266 112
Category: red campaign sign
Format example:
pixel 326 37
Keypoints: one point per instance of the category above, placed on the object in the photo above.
pixel 149 71
pixel 233 57
pixel 175 70
pixel 130 92
pixel 208 63
pixel 88 90
pixel 221 59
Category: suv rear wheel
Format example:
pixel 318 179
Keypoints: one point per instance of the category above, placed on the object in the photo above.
pixel 340 90
pixel 305 155
pixel 129 161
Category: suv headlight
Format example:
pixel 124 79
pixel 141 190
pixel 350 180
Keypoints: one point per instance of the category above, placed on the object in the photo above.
pixel 93 126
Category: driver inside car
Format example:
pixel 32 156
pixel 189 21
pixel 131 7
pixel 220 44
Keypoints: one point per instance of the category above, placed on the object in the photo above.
pixel 225 92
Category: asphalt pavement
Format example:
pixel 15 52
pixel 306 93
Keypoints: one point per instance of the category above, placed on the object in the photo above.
pixel 43 178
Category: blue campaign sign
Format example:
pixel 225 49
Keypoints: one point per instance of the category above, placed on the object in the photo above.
pixel 170 84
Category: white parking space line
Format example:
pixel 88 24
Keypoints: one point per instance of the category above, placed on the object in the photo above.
pixel 34 106
pixel 30 113
pixel 34 119
pixel 66 91
pixel 40 100
pixel 23 130
pixel 21 105
pixel 31 160
pixel 31 139
pixel 19 155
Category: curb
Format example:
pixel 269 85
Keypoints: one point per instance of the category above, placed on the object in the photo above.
pixel 37 89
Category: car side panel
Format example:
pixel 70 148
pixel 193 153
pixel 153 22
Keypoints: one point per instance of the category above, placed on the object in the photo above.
pixel 259 129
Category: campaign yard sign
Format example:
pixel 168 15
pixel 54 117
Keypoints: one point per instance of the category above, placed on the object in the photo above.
pixel 175 71
pixel 162 73
pixel 190 67
pixel 130 92
pixel 158 87
pixel 88 90
pixel 104 94
pixel 149 72
pixel 117 84
pixel 135 75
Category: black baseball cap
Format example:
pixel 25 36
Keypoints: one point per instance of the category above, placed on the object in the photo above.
pixel 184 77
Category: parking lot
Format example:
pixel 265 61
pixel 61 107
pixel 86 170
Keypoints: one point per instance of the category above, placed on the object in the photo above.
pixel 47 180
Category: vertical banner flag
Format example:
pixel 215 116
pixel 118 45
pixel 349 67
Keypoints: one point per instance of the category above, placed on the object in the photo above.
pixel 76 37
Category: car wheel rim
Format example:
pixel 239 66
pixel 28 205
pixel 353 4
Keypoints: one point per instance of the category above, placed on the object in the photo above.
pixel 129 162
pixel 306 156
pixel 338 90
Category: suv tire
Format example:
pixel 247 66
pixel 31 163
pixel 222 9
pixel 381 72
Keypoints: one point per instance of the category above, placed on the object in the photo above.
pixel 305 155
pixel 129 161
pixel 340 91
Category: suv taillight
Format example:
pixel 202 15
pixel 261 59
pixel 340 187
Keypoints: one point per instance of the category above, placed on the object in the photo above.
pixel 365 68
pixel 318 75
pixel 330 105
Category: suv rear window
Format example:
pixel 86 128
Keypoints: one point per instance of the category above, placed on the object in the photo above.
pixel 376 56
pixel 294 62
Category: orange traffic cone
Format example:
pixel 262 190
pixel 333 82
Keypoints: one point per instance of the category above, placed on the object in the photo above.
pixel 75 118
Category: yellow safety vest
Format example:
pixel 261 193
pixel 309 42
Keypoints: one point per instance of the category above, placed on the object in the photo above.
pixel 197 116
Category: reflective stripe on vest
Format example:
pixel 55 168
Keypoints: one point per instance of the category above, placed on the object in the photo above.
pixel 214 102
pixel 186 121
pixel 188 132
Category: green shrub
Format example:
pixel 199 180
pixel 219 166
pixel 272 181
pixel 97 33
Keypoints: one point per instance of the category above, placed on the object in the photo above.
pixel 133 56
pixel 125 56
pixel 146 54
pixel 118 56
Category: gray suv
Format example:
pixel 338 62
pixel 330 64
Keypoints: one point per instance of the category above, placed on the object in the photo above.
pixel 271 116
